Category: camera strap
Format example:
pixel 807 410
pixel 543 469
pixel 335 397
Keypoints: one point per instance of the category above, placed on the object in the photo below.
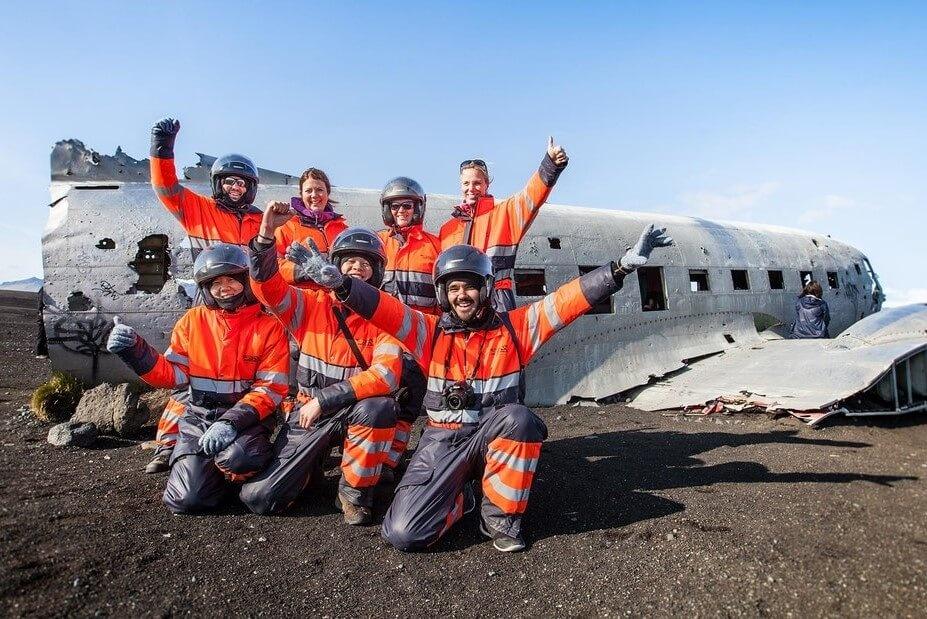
pixel 350 338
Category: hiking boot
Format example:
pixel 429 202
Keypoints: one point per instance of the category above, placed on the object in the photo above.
pixel 355 515
pixel 161 463
pixel 501 541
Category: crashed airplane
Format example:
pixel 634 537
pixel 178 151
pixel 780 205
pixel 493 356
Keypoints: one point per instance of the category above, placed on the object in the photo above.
pixel 110 248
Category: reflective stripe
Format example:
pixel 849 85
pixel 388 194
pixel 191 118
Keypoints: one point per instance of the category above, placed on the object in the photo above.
pixel 272 377
pixel 420 335
pixel 219 386
pixel 504 274
pixel 360 471
pixel 480 386
pixel 522 465
pixel 507 491
pixel 406 325
pixel 401 436
pixel 283 305
pixel 386 374
pixel 501 250
pixel 466 416
pixel 275 397
pixel 297 318
pixel 386 348
pixel 334 372
pixel 368 446
pixel 409 276
pixel 174 357
pixel 180 377
pixel 531 320
pixel 553 316
pixel 523 199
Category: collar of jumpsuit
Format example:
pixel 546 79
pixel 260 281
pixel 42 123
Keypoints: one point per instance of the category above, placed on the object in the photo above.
pixel 466 212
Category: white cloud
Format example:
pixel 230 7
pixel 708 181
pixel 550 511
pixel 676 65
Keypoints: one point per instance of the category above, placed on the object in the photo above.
pixel 895 297
pixel 831 207
pixel 735 202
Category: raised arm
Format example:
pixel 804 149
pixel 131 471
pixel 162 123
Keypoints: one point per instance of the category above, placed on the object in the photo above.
pixel 289 304
pixel 178 200
pixel 271 379
pixel 166 371
pixel 381 378
pixel 518 211
pixel 536 323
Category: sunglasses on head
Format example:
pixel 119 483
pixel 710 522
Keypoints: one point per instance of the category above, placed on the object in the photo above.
pixel 474 163
pixel 231 181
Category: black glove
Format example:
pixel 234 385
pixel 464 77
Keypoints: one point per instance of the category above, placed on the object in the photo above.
pixel 163 135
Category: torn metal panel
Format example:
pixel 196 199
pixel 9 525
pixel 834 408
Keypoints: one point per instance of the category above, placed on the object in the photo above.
pixel 103 208
pixel 878 365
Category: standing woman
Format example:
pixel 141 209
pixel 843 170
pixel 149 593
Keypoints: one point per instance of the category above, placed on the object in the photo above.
pixel 314 218
pixel 496 228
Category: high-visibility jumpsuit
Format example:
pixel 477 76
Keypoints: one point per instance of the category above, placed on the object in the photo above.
pixel 357 410
pixel 496 228
pixel 300 229
pixel 234 366
pixel 206 223
pixel 410 262
pixel 495 437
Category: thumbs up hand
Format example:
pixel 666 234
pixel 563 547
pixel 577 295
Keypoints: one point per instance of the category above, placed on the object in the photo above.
pixel 122 337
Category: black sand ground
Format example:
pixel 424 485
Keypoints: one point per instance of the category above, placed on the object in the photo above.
pixel 632 513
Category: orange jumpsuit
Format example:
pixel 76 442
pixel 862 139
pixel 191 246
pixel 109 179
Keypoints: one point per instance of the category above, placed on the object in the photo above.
pixel 234 366
pixel 496 228
pixel 206 223
pixel 410 262
pixel 494 435
pixel 357 409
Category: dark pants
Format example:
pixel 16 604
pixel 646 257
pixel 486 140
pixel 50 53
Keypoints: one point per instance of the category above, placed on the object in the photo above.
pixel 502 450
pixel 414 384
pixel 366 430
pixel 197 482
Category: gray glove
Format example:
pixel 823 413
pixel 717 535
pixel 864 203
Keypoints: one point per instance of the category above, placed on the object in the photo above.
pixel 638 255
pixel 311 265
pixel 163 135
pixel 122 337
pixel 219 436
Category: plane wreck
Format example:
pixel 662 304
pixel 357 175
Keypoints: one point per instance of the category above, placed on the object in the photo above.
pixel 878 366
pixel 109 248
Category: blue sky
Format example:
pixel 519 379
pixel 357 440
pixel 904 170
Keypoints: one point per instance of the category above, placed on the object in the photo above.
pixel 809 115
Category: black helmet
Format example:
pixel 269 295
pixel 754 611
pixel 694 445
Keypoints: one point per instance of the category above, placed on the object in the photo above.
pixel 399 188
pixel 363 242
pixel 223 259
pixel 234 164
pixel 462 260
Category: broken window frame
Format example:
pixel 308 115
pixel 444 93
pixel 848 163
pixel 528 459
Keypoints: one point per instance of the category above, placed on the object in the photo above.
pixel 801 278
pixel 778 277
pixel 699 277
pixel 526 282
pixel 643 273
pixel 833 280
pixel 745 284
pixel 152 263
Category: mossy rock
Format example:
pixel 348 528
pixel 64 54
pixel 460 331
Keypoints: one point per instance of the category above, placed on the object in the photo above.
pixel 56 400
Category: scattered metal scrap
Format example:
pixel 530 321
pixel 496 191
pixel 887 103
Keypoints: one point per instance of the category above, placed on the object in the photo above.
pixel 876 367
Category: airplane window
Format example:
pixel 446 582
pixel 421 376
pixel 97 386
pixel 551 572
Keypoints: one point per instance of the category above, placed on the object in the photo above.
pixel 740 279
pixel 554 242
pixel 775 280
pixel 151 263
pixel 605 305
pixel 858 272
pixel 106 244
pixel 698 280
pixel 78 302
pixel 832 280
pixel 530 283
pixel 653 297
pixel 806 277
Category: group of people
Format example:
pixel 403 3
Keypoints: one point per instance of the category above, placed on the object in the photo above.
pixel 388 325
